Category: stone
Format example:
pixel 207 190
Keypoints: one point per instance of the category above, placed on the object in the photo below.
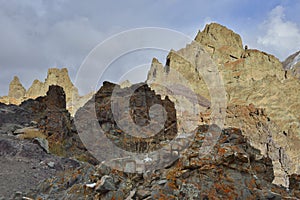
pixel 51 164
pixel 106 183
pixel 161 182
pixel 143 193
pixel 16 89
pixel 21 169
pixel 9 128
pixel 43 143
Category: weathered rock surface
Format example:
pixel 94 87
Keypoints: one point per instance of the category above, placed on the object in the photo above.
pixel 249 77
pixel 232 170
pixel 16 89
pixel 18 94
pixel 292 64
pixel 23 165
pixel 111 115
pixel 46 118
pixel 258 128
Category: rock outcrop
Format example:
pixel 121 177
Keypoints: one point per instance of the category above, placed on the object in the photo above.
pixel 18 94
pixel 249 77
pixel 16 89
pixel 233 170
pixel 292 64
pixel 128 127
pixel 47 118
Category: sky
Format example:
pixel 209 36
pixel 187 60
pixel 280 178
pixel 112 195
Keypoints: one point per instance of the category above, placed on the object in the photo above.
pixel 40 34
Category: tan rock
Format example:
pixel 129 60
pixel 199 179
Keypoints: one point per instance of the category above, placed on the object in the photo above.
pixel 16 89
pixel 250 77
pixel 36 89
pixel 60 77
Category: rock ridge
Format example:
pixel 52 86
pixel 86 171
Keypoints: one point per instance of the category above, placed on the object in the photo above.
pixel 249 77
pixel 18 94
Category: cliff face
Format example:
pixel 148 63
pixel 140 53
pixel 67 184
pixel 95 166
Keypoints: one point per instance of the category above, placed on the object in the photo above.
pixel 249 77
pixel 18 94
pixel 292 64
pixel 44 117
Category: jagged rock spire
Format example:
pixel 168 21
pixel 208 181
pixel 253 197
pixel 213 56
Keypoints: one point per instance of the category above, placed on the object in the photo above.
pixel 16 89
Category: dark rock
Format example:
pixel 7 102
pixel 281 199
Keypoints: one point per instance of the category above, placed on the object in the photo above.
pixel 141 194
pixel 140 99
pixel 22 168
pixel 106 183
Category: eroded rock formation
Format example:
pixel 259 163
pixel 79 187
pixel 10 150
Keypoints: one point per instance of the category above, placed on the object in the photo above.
pixel 18 94
pixel 51 121
pixel 124 125
pixel 249 77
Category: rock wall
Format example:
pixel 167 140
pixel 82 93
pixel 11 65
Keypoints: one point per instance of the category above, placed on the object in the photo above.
pixel 60 77
pixel 250 77
pixel 45 117
pixel 124 125
pixel 16 89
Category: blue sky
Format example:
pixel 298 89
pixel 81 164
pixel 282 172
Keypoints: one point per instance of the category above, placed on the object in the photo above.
pixel 36 35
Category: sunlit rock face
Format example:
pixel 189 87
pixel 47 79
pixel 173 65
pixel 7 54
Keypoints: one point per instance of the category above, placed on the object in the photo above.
pixel 17 93
pixel 249 76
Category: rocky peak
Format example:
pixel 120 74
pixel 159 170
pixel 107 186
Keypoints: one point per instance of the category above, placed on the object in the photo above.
pixel 249 76
pixel 218 36
pixel 55 76
pixel 220 41
pixel 35 89
pixel 16 89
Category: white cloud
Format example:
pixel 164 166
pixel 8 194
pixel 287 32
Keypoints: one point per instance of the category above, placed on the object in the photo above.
pixel 281 37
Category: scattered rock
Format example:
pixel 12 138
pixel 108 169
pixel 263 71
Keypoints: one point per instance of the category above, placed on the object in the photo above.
pixel 42 142
pixel 217 175
pixel 51 164
pixel 20 165
pixel 106 183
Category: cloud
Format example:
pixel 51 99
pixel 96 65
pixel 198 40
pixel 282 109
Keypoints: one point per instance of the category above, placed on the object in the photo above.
pixel 37 35
pixel 281 37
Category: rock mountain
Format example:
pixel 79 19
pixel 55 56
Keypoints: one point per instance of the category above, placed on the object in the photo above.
pixel 256 86
pixel 17 93
pixel 214 88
